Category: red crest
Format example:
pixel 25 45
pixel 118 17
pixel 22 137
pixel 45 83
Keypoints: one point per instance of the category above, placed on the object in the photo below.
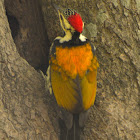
pixel 76 22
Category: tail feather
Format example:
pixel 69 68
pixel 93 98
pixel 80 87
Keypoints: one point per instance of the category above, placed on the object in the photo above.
pixel 74 132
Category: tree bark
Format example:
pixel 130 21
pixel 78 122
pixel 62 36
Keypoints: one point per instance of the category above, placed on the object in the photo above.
pixel 27 111
pixel 114 28
pixel 27 26
pixel 24 105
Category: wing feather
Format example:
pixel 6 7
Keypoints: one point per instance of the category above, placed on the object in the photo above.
pixel 71 97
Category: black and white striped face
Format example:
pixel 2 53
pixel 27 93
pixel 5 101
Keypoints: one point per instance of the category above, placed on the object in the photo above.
pixel 64 22
pixel 72 24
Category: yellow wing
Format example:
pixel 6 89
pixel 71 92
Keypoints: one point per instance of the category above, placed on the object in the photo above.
pixel 75 95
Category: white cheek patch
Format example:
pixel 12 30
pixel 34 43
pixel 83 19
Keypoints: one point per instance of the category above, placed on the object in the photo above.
pixel 66 38
pixel 82 38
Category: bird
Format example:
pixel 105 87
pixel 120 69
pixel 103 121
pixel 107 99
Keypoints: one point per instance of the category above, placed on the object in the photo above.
pixel 72 70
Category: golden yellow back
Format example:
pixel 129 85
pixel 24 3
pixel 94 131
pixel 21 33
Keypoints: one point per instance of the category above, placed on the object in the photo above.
pixel 73 77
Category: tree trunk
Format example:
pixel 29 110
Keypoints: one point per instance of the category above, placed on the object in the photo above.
pixel 24 104
pixel 28 32
pixel 27 111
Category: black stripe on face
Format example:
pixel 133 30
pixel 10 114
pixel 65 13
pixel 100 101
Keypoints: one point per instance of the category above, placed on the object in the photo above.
pixel 61 17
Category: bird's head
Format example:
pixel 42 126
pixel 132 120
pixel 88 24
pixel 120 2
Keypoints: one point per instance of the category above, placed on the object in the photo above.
pixel 70 20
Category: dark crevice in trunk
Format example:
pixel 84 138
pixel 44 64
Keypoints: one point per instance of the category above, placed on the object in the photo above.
pixel 14 25
pixel 28 31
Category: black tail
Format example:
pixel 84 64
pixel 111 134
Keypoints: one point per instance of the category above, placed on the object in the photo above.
pixel 73 133
pixel 76 127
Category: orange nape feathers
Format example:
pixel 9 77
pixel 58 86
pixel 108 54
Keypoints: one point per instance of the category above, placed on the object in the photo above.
pixel 74 60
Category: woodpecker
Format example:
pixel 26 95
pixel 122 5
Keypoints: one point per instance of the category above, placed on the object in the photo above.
pixel 72 69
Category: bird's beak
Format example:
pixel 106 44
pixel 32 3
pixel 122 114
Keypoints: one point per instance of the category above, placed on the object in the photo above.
pixel 63 21
pixel 56 7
